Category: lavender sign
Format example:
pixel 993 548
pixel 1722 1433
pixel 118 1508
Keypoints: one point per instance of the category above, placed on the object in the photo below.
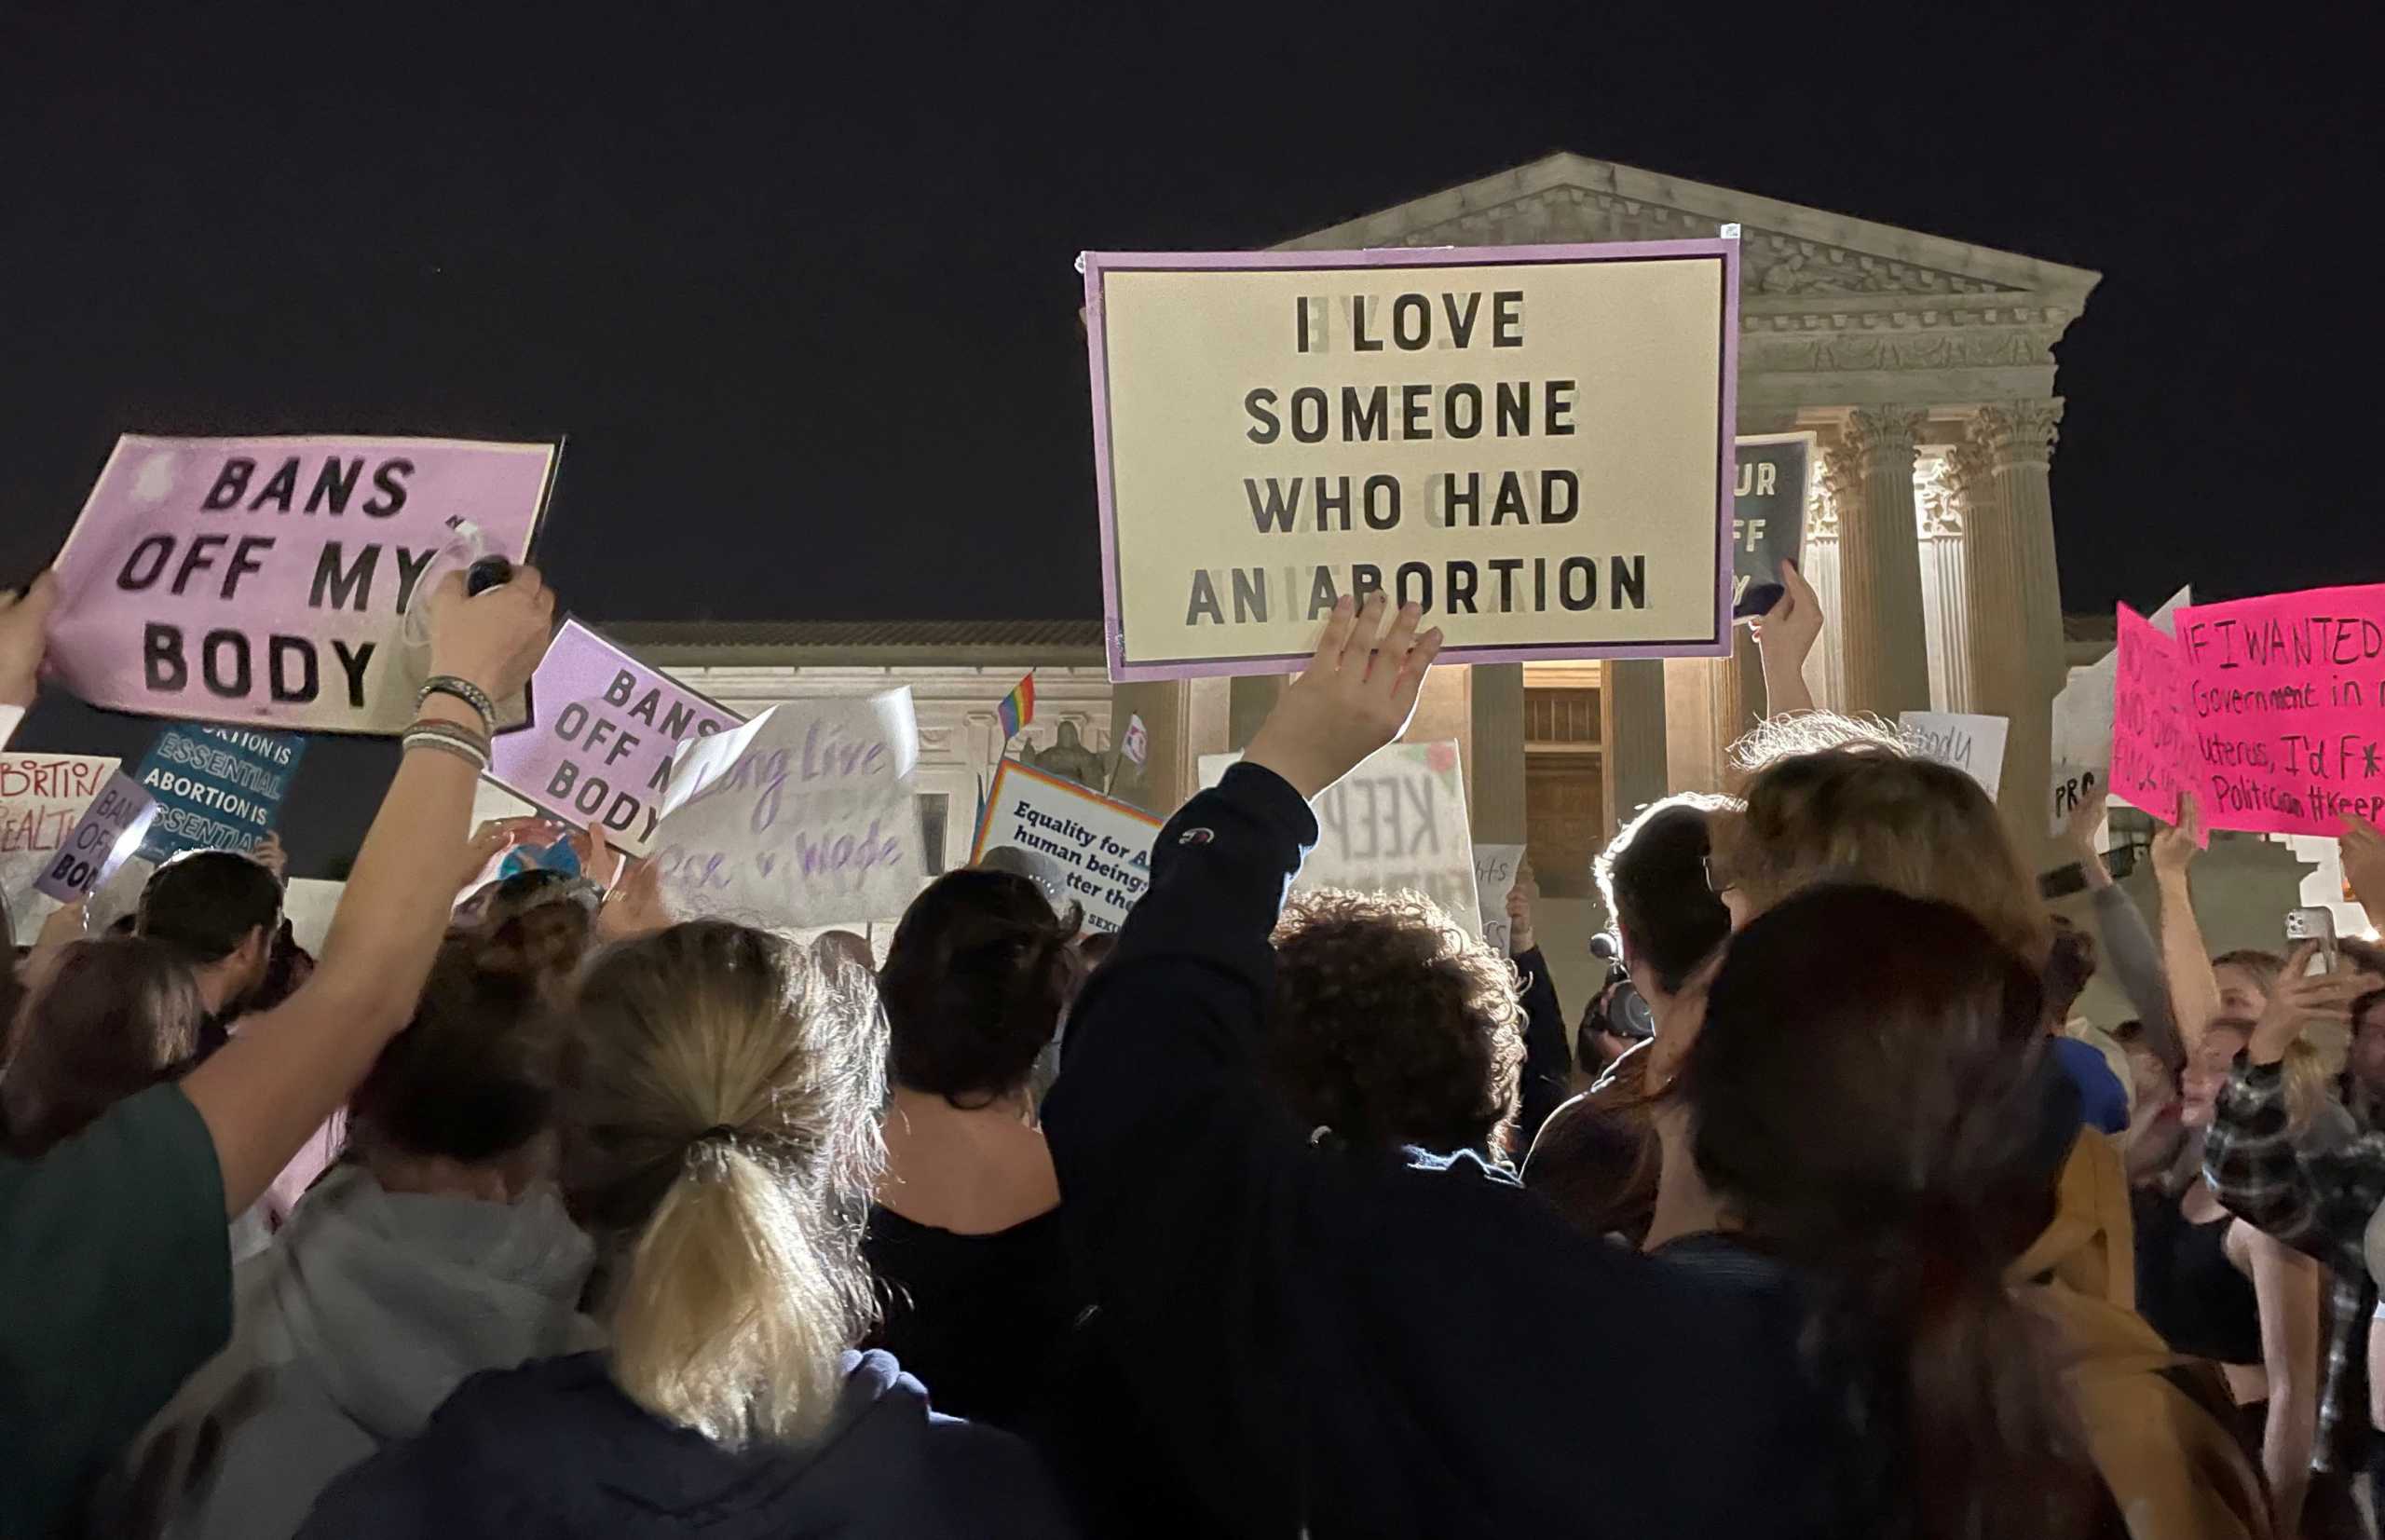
pixel 603 730
pixel 802 818
pixel 263 582
pixel 109 833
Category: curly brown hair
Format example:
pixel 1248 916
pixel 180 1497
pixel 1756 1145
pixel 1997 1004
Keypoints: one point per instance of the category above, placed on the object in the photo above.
pixel 1391 1026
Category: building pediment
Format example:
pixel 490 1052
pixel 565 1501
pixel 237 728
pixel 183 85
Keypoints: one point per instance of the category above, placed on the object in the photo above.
pixel 1788 250
pixel 1834 309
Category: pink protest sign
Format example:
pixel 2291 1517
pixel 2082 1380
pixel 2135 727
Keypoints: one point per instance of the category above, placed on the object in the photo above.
pixel 2153 746
pixel 109 833
pixel 2286 699
pixel 603 727
pixel 262 582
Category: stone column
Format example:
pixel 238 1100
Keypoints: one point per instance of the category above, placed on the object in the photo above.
pixel 1879 563
pixel 1631 694
pixel 1944 609
pixel 2015 600
pixel 1496 704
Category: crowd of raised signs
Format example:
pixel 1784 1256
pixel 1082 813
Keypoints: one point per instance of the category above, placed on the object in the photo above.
pixel 547 1198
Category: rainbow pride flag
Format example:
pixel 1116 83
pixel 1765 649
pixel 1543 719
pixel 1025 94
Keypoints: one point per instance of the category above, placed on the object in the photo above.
pixel 1018 708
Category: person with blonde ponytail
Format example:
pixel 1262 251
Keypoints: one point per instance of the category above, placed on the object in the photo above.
pixel 720 1141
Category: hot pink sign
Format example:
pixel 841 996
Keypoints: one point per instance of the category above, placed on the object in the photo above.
pixel 2153 746
pixel 264 581
pixel 2286 699
pixel 603 727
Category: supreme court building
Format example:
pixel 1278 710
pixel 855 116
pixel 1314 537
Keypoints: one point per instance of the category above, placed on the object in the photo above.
pixel 1924 364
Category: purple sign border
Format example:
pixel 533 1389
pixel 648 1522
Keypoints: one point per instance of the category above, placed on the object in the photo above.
pixel 1096 264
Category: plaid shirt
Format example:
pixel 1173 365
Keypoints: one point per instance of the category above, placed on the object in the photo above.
pixel 2318 1204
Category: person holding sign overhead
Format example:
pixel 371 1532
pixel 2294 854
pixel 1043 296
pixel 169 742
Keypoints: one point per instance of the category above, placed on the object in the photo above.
pixel 98 1323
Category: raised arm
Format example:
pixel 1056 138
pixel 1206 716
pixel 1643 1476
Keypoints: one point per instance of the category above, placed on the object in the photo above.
pixel 1184 1186
pixel 2129 948
pixel 273 1085
pixel 1784 636
pixel 2194 990
pixel 1548 1068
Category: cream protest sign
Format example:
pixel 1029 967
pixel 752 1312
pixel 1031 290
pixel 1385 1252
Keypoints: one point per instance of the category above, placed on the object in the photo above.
pixel 1396 824
pixel 1531 442
pixel 1104 845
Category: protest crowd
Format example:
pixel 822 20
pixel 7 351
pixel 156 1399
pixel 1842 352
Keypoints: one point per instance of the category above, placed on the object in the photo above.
pixel 533 1207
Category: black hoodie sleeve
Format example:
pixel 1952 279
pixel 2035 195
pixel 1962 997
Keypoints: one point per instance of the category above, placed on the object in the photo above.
pixel 1183 1181
pixel 1548 1068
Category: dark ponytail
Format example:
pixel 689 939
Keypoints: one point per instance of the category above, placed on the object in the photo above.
pixel 974 983
pixel 1869 1100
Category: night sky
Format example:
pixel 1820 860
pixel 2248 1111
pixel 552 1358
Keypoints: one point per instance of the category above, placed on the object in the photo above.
pixel 799 290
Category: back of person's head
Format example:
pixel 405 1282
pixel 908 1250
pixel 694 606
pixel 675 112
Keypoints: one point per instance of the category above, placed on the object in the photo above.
pixel 1653 877
pixel 210 904
pixel 1876 1116
pixel 1875 816
pixel 835 949
pixel 2070 966
pixel 1044 871
pixel 720 1138
pixel 525 890
pixel 471 1078
pixel 109 1018
pixel 1391 1026
pixel 1596 1162
pixel 1794 733
pixel 975 982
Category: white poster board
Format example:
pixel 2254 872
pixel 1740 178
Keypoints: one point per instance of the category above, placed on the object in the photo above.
pixel 1972 744
pixel 1394 824
pixel 802 818
pixel 1496 871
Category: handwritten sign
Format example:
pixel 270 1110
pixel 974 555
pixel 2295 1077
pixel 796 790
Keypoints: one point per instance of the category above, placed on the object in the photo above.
pixel 2083 724
pixel 603 730
pixel 1104 846
pixel 42 797
pixel 216 789
pixel 109 833
pixel 802 818
pixel 2286 708
pixel 1495 869
pixel 1396 824
pixel 1767 517
pixel 1972 744
pixel 264 582
pixel 1531 442
pixel 2153 750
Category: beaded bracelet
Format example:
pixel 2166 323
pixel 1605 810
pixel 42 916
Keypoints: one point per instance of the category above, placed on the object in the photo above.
pixel 448 738
pixel 462 689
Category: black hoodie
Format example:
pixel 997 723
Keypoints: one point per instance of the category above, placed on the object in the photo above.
pixel 556 1449
pixel 1322 1341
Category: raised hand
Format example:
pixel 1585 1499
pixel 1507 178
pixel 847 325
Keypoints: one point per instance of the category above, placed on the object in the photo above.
pixel 495 638
pixel 2363 852
pixel 2079 831
pixel 491 840
pixel 1521 899
pixel 267 852
pixel 636 906
pixel 2174 844
pixel 1355 696
pixel 1788 631
pixel 2297 1000
pixel 22 616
